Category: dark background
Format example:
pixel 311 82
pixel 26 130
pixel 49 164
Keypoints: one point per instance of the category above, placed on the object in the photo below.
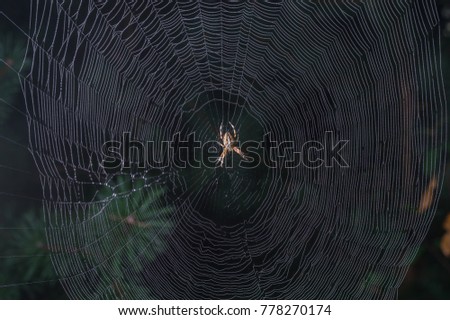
pixel 26 270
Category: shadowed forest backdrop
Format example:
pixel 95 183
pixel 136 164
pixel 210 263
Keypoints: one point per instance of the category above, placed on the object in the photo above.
pixel 26 270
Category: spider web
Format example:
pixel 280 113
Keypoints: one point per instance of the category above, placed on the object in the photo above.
pixel 368 71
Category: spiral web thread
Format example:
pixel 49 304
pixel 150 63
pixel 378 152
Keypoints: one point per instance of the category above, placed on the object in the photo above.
pixel 367 70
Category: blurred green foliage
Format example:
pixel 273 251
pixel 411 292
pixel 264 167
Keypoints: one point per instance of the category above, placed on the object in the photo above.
pixel 12 51
pixel 26 270
pixel 141 220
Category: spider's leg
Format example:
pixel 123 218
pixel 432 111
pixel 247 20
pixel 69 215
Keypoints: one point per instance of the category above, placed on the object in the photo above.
pixel 239 152
pixel 222 157
pixel 234 130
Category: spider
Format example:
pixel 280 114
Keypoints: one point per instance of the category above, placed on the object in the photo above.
pixel 228 144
